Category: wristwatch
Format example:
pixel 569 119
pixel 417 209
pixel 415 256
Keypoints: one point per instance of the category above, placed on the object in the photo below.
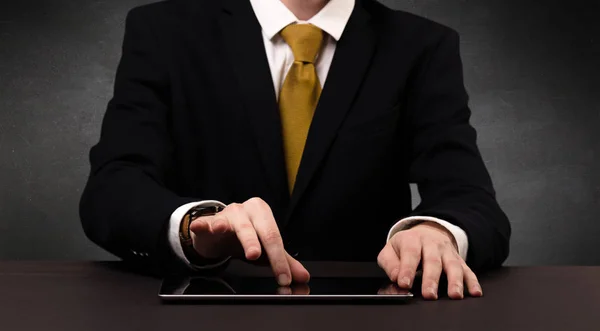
pixel 185 237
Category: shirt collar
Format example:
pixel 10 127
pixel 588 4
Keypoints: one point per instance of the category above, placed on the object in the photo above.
pixel 273 16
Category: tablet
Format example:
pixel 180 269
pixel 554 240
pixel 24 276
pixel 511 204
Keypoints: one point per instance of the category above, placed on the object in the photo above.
pixel 257 288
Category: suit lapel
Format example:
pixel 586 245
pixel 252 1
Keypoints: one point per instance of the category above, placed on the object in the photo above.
pixel 244 46
pixel 350 63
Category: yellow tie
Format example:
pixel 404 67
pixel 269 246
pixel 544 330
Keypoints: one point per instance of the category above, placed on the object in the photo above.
pixel 299 93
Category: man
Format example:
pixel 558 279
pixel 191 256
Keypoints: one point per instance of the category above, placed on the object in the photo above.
pixel 289 130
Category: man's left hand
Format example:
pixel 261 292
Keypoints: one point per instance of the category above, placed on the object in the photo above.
pixel 434 247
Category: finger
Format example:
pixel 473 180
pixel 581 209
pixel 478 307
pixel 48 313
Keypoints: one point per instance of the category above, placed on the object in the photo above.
pixel 408 248
pixel 389 261
pixel 472 282
pixel 214 224
pixel 219 224
pixel 268 233
pixel 200 225
pixel 432 270
pixel 298 271
pixel 244 230
pixel 206 243
pixel 452 264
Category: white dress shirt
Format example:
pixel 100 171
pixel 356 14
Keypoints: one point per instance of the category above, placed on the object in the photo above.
pixel 273 16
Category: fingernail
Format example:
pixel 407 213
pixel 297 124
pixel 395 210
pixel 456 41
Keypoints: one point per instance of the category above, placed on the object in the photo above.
pixel 433 291
pixel 405 281
pixel 477 291
pixel 283 280
pixel 459 290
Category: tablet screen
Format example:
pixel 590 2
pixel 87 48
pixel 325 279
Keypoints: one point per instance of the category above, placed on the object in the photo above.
pixel 267 287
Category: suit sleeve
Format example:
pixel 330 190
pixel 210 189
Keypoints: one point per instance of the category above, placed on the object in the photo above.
pixel 446 164
pixel 126 205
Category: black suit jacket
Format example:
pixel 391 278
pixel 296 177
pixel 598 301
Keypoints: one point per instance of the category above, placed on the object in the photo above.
pixel 194 116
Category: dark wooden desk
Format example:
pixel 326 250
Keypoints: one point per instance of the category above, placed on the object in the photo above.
pixel 105 296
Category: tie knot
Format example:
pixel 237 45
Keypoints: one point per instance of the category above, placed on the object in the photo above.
pixel 304 39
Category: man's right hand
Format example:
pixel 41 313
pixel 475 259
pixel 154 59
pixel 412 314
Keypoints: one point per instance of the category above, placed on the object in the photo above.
pixel 239 230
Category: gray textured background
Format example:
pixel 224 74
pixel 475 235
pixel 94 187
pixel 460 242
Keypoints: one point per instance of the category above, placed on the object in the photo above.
pixel 532 69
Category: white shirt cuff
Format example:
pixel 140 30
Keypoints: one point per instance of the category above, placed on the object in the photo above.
pixel 459 234
pixel 174 225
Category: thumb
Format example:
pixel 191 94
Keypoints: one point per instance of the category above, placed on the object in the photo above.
pixel 299 272
pixel 200 225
